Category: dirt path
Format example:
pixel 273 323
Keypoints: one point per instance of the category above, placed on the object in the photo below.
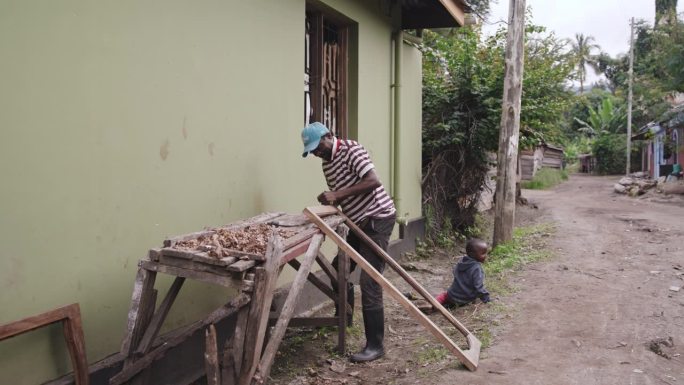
pixel 589 315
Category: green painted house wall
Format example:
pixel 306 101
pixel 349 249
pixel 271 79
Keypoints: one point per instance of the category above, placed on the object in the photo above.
pixel 124 122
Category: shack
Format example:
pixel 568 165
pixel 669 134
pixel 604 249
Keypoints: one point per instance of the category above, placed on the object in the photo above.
pixel 544 155
pixel 662 143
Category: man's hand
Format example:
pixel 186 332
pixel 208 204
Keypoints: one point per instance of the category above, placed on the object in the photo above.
pixel 327 198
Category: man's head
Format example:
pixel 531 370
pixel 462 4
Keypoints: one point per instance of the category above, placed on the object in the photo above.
pixel 477 249
pixel 317 140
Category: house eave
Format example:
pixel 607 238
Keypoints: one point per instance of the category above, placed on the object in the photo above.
pixel 418 14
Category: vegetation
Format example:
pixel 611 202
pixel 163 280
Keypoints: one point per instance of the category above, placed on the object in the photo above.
pixel 463 85
pixel 582 49
pixel 545 178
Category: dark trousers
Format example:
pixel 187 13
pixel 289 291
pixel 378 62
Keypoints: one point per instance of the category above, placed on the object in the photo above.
pixel 379 230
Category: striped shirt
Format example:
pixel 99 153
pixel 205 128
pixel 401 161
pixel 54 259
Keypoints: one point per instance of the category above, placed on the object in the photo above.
pixel 349 163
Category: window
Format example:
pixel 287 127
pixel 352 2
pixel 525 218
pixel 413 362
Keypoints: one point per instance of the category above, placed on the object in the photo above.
pixel 325 72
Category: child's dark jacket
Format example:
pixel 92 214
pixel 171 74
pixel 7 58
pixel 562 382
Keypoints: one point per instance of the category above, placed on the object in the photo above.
pixel 468 282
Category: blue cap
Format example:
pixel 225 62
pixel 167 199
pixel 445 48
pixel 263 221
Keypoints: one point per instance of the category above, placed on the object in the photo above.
pixel 311 136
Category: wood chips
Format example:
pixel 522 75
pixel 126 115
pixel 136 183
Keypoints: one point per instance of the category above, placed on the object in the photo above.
pixel 251 239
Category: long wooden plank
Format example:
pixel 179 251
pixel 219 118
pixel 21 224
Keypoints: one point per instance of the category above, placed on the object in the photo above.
pixel 140 301
pixel 327 268
pixel 258 314
pixel 469 358
pixel 211 361
pixel 157 353
pixel 187 273
pixel 159 316
pixel 287 311
pixel 193 265
pixel 75 341
pixel 408 278
pixel 342 277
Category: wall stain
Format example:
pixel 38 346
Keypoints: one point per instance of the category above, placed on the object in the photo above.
pixel 211 149
pixel 185 128
pixel 164 149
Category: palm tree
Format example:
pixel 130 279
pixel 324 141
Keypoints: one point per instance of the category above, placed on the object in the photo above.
pixel 582 49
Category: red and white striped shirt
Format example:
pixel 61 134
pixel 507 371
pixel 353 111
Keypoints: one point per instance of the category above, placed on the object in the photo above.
pixel 348 164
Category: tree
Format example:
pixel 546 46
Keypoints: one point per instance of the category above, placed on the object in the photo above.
pixel 462 91
pixel 606 118
pixel 582 48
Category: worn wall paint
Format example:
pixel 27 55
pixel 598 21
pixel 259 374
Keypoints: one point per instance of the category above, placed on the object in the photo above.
pixel 125 122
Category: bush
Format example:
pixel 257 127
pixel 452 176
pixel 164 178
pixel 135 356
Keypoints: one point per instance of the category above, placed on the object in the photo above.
pixel 545 178
pixel 609 151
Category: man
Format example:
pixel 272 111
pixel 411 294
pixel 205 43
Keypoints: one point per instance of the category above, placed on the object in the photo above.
pixel 355 187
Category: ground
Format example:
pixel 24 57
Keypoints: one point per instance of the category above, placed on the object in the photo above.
pixel 599 306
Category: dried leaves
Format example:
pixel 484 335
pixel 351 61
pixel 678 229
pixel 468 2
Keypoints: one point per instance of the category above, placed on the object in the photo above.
pixel 251 239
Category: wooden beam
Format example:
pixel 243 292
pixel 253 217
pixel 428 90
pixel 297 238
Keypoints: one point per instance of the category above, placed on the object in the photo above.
pixel 159 317
pixel 455 11
pixel 469 358
pixel 193 274
pixel 211 362
pixel 264 285
pixel 70 316
pixel 140 300
pixel 287 311
pixel 157 353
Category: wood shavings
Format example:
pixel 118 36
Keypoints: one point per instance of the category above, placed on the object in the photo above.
pixel 251 239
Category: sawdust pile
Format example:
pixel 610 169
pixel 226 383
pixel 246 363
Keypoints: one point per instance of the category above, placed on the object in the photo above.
pixel 251 239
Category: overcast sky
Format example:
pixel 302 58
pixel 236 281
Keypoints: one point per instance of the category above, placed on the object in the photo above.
pixel 606 20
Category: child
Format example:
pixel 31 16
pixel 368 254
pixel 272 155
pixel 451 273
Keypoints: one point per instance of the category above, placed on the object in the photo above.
pixel 468 282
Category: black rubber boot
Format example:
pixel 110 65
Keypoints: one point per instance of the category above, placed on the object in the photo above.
pixel 374 325
pixel 350 301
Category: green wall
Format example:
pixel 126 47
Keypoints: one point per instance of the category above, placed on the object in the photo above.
pixel 124 122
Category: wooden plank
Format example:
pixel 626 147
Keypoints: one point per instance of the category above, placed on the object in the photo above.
pixel 70 316
pixel 240 266
pixel 184 254
pixel 342 277
pixel 75 341
pixel 228 372
pixel 294 252
pixel 211 362
pixel 320 285
pixel 238 344
pixel 323 211
pixel 193 265
pixel 157 353
pixel 154 254
pixel 469 358
pixel 287 311
pixel 327 268
pixel 170 242
pixel 227 281
pixel 265 280
pixel 140 300
pixel 261 218
pixel 159 316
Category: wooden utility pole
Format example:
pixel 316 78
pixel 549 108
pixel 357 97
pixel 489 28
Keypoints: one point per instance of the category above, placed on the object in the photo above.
pixel 507 160
pixel 629 96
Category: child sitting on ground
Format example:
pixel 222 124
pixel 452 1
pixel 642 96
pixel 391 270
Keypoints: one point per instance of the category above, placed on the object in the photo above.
pixel 469 276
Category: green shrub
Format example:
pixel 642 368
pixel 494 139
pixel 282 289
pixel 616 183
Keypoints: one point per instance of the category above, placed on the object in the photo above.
pixel 545 178
pixel 609 151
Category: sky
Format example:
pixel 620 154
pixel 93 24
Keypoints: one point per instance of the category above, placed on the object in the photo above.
pixel 606 20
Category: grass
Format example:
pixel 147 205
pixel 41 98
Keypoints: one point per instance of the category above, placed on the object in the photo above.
pixel 523 249
pixel 545 178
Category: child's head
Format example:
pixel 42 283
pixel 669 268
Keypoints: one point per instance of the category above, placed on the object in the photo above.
pixel 477 249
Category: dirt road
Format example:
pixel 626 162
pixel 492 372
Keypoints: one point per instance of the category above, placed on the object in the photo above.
pixel 594 313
